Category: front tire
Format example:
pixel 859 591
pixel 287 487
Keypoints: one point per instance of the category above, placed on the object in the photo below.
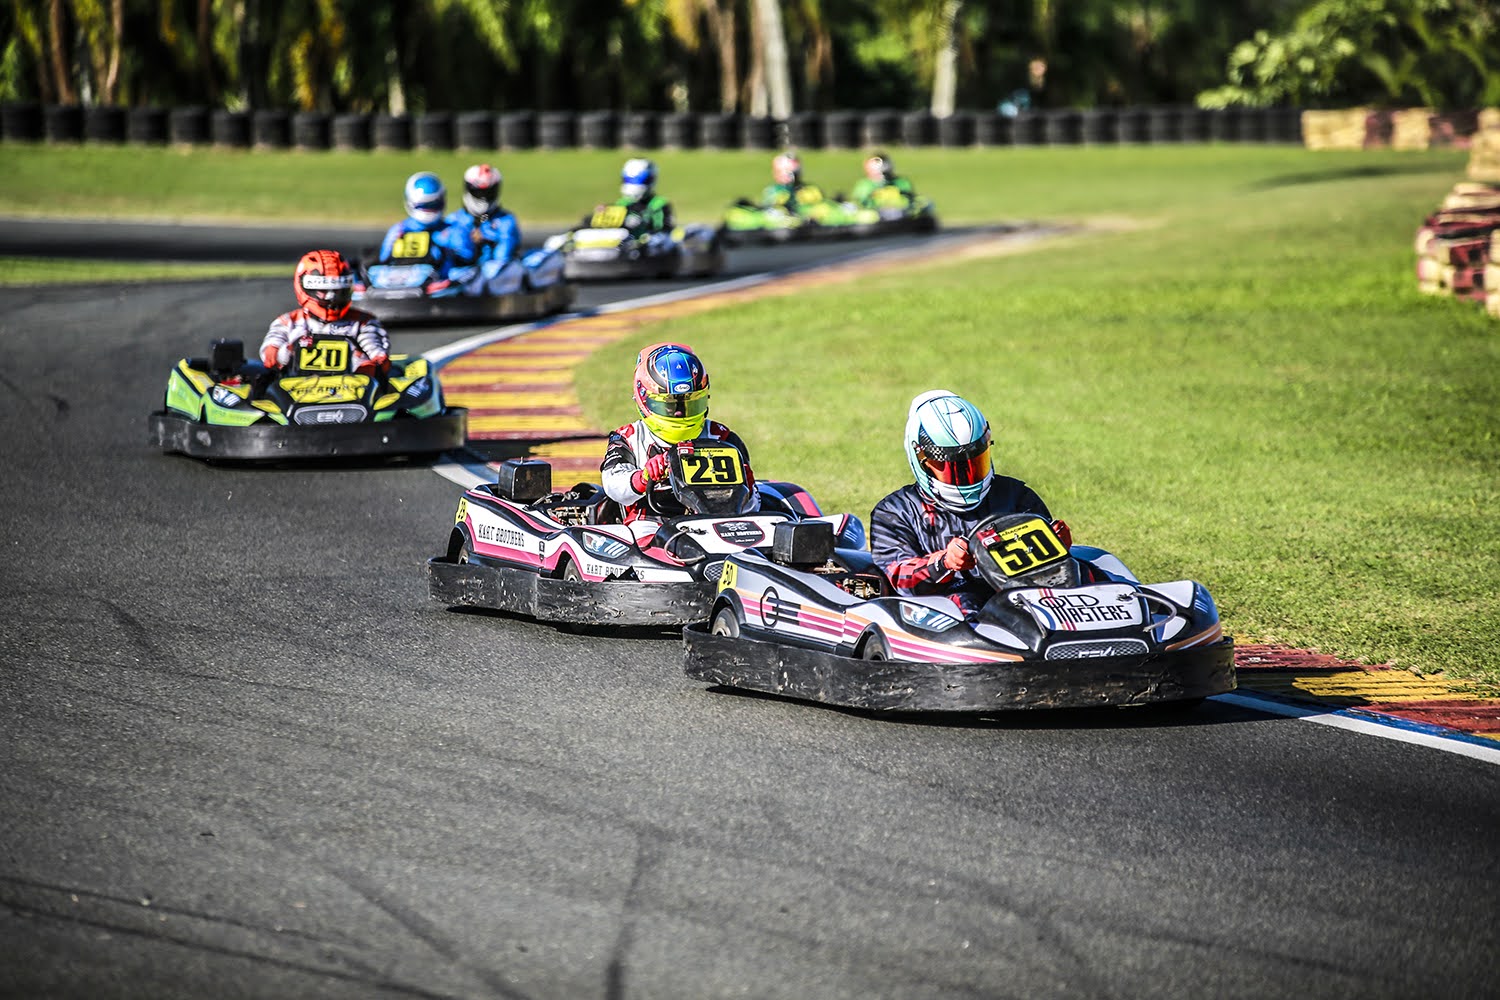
pixel 875 648
pixel 725 623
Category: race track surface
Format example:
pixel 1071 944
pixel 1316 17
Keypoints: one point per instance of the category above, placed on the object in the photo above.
pixel 243 755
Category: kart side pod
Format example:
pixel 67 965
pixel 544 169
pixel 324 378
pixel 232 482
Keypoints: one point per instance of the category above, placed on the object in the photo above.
pixel 524 479
pixel 802 543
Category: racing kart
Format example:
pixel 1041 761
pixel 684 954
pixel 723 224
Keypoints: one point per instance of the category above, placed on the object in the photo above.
pixel 517 545
pixel 814 217
pixel 326 402
pixel 416 282
pixel 1064 628
pixel 612 245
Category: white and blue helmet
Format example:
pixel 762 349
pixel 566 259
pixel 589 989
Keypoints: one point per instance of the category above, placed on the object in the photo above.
pixel 426 198
pixel 637 178
pixel 948 446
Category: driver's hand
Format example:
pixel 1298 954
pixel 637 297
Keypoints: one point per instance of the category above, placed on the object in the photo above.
pixel 1063 532
pixel 956 556
pixel 655 469
pixel 270 356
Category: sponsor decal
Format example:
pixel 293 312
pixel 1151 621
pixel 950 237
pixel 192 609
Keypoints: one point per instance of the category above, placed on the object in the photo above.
pixel 496 534
pixel 742 533
pixel 770 607
pixel 1086 609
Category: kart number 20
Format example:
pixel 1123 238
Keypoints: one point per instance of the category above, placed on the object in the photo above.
pixel 712 467
pixel 1026 547
pixel 324 356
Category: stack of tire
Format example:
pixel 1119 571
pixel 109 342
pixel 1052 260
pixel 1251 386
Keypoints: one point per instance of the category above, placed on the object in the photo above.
pixel 1458 246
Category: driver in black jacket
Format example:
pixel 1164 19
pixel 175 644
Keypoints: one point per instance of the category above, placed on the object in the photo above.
pixel 919 533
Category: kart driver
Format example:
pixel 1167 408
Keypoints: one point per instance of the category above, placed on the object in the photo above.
pixel 880 173
pixel 492 232
pixel 324 283
pixel 424 234
pixel 787 190
pixel 919 533
pixel 671 393
pixel 650 211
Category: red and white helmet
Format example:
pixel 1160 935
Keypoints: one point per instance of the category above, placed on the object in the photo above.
pixel 481 189
pixel 324 284
pixel 786 169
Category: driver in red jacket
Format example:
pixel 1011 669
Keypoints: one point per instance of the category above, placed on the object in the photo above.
pixel 324 283
pixel 919 533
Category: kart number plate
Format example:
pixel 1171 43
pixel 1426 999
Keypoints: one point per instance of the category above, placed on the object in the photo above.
pixel 809 196
pixel 608 217
pixel 463 511
pixel 1023 547
pixel 324 356
pixel 412 246
pixel 712 467
pixel 889 196
pixel 726 578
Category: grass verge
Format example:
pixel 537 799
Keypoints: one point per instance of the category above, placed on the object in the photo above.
pixel 48 270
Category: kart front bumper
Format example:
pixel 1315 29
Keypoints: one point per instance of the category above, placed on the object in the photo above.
pixel 903 686
pixel 267 441
pixel 611 602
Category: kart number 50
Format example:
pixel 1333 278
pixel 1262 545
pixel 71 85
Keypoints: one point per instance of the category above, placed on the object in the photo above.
pixel 1024 547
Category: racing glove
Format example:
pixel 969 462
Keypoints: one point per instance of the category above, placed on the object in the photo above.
pixel 270 355
pixel 654 470
pixel 1063 532
pixel 957 555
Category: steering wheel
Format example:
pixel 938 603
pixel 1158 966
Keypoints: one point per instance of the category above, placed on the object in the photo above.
pixel 1013 550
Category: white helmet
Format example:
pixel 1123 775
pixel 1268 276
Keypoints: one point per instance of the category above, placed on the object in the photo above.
pixel 948 446
pixel 481 190
pixel 637 178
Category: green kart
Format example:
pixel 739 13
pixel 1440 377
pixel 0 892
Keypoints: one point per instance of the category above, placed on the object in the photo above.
pixel 323 404
pixel 811 215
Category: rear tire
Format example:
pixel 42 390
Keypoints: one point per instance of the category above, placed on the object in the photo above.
pixel 875 648
pixel 725 623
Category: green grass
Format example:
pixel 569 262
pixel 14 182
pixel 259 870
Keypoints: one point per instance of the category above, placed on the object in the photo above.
pixel 1242 386
pixel 45 270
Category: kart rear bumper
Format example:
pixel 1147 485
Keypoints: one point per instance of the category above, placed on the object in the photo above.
pixel 612 602
pixel 402 308
pixel 903 686
pixel 173 432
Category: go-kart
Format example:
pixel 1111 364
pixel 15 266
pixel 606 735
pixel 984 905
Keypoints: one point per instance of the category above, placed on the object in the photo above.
pixel 811 216
pixel 612 245
pixel 516 545
pixel 1064 628
pixel 325 402
pixel 417 282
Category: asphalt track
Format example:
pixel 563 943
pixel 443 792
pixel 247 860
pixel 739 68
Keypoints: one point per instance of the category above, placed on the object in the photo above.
pixel 243 755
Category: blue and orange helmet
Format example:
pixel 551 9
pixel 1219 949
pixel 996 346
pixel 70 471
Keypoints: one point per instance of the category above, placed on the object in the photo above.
pixel 671 391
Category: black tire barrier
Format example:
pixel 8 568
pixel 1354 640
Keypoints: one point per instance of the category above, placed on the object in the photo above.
pixel 1225 125
pixel 918 128
pixel 1164 124
pixel 879 128
pixel 679 130
pixel 230 128
pixel 1195 124
pixel 21 121
pixel 391 132
pixel 474 130
pixel 1062 127
pixel 718 131
pixel 310 130
pixel 146 126
pixel 641 130
pixel 598 130
pixel 62 123
pixel 1254 125
pixel 188 126
pixel 840 130
pixel 351 132
pixel 557 130
pixel 1028 128
pixel 1286 125
pixel 956 130
pixel 1133 125
pixel 993 129
pixel 1099 126
pixel 434 130
pixel 805 130
pixel 271 129
pixel 104 123
pixel 758 133
pixel 516 130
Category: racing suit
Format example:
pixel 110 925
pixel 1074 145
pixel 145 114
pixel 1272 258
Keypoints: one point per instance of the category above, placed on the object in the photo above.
pixel 446 245
pixel 631 446
pixel 908 534
pixel 653 211
pixel 865 191
pixel 356 325
pixel 493 237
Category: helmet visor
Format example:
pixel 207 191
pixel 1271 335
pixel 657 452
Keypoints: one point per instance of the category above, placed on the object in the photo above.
pixel 332 291
pixel 962 466
pixel 682 404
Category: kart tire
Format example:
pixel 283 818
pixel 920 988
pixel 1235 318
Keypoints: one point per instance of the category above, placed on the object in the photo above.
pixel 875 648
pixel 725 623
pixel 571 573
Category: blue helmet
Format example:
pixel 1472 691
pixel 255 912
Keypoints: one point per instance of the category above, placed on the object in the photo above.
pixel 426 198
pixel 948 446
pixel 637 178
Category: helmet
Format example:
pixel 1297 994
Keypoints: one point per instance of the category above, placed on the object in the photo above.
pixel 324 283
pixel 481 189
pixel 425 198
pixel 948 446
pixel 637 178
pixel 671 391
pixel 786 169
pixel 880 169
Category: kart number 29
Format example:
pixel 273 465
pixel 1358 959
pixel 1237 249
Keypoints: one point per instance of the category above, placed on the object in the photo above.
pixel 1024 547
pixel 712 467
pixel 324 356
